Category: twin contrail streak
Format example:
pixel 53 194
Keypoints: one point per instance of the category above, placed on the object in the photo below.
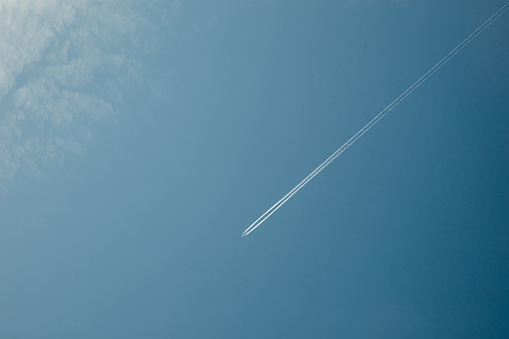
pixel 376 119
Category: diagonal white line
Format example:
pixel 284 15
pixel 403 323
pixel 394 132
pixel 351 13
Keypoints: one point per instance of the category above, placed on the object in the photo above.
pixel 376 119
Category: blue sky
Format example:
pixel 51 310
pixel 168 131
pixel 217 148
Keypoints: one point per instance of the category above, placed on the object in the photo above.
pixel 139 139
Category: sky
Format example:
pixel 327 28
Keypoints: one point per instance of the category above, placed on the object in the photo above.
pixel 139 139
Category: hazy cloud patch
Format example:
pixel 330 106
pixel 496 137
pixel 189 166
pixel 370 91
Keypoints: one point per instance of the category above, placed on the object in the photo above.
pixel 63 67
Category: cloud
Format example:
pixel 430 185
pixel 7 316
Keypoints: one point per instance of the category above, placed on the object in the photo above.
pixel 63 67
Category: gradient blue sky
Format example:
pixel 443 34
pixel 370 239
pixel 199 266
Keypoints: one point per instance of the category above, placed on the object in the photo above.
pixel 139 139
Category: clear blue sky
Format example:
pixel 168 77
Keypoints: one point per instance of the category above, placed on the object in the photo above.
pixel 138 139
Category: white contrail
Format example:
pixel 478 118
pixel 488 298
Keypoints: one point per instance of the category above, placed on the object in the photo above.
pixel 376 119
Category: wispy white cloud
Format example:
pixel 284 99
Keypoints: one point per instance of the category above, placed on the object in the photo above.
pixel 63 65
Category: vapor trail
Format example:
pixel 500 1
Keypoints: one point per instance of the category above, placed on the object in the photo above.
pixel 376 119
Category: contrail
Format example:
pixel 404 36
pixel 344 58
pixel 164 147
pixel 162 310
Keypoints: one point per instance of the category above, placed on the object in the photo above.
pixel 376 119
